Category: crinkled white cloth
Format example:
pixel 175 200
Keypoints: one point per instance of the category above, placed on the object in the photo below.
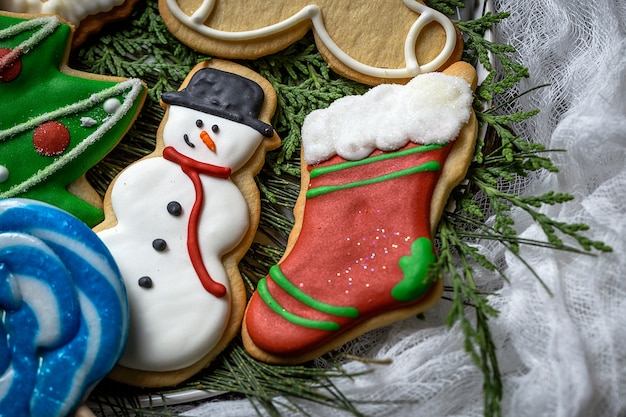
pixel 560 355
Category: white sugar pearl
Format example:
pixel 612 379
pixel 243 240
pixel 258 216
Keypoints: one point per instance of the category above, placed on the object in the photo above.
pixel 4 174
pixel 111 105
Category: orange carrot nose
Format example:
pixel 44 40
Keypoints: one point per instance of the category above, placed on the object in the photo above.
pixel 207 140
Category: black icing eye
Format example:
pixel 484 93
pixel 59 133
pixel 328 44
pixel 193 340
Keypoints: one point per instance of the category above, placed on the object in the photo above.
pixel 215 128
pixel 199 123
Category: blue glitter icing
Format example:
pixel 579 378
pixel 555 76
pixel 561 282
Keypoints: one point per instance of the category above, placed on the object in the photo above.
pixel 63 310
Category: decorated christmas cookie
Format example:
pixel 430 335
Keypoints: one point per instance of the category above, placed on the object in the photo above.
pixel 63 309
pixel 56 122
pixel 379 169
pixel 371 42
pixel 88 16
pixel 179 221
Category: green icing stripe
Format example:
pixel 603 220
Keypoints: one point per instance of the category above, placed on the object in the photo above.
pixel 300 321
pixel 282 281
pixel 325 189
pixel 317 172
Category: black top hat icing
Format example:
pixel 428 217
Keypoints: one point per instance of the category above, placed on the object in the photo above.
pixel 223 94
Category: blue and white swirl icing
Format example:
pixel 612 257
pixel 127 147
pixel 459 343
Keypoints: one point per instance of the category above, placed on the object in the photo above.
pixel 63 309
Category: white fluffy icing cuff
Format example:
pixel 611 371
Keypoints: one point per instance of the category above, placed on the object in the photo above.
pixel 431 108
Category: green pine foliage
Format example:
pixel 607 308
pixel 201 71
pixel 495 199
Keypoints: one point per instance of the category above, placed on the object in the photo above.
pixel 142 47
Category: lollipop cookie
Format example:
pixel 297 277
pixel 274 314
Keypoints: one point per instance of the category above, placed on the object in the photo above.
pixel 378 172
pixel 63 308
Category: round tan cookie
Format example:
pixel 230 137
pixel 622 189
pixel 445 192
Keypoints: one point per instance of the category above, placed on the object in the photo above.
pixel 179 221
pixel 370 42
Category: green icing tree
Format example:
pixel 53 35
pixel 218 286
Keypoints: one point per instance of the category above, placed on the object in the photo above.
pixel 55 122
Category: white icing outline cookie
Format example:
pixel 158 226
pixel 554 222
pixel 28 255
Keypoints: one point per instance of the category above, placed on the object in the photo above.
pixel 312 16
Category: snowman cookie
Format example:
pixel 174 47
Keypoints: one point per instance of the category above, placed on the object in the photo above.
pixel 372 42
pixel 179 220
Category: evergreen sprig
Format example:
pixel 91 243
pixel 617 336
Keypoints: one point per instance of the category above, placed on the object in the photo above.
pixel 480 49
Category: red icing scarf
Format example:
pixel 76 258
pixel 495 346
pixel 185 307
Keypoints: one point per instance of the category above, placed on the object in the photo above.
pixel 193 169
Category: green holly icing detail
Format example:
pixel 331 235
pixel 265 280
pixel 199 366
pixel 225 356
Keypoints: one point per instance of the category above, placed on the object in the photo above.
pixel 42 93
pixel 415 268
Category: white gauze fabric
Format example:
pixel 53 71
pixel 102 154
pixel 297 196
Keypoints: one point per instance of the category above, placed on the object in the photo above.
pixel 562 354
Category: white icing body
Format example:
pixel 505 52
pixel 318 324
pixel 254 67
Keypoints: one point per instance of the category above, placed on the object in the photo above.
pixel 71 10
pixel 177 322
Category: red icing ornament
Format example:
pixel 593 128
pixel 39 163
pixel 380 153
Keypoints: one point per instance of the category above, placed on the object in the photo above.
pixel 51 138
pixel 10 66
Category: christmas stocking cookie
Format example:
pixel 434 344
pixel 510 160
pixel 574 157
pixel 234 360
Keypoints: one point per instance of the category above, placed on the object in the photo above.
pixel 179 221
pixel 378 171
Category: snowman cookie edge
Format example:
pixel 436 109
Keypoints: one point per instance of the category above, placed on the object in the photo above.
pixel 244 179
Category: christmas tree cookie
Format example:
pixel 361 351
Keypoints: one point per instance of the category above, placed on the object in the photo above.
pixel 56 122
pixel 378 171
pixel 179 221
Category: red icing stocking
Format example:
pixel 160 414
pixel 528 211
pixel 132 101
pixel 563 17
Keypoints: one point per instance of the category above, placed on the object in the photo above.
pixel 361 256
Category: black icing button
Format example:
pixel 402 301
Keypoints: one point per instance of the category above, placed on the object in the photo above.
pixel 174 208
pixel 145 282
pixel 159 245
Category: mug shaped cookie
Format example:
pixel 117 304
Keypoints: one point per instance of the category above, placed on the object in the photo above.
pixel 370 42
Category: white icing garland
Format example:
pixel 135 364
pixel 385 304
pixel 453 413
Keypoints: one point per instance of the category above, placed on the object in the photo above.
pixel 135 87
pixel 48 26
